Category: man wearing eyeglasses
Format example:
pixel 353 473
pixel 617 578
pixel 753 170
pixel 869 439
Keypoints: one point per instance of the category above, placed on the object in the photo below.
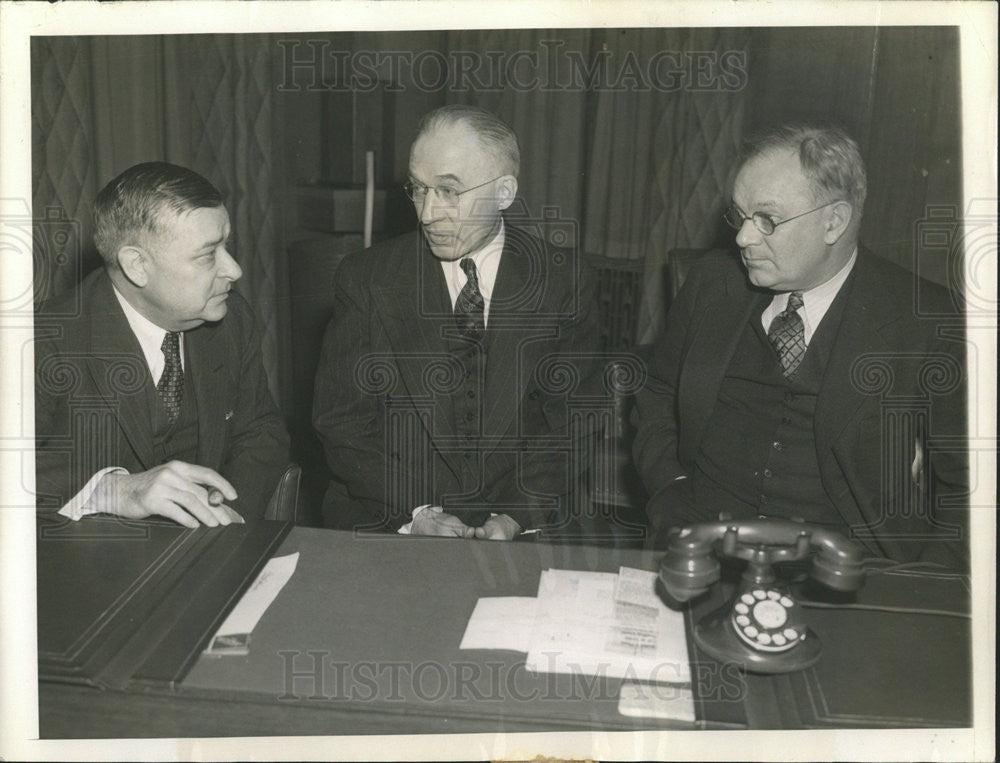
pixel 795 382
pixel 431 398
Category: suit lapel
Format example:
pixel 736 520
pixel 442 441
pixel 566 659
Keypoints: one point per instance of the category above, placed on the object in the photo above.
pixel 509 342
pixel 118 369
pixel 712 345
pixel 204 359
pixel 415 304
pixel 866 312
pixel 417 310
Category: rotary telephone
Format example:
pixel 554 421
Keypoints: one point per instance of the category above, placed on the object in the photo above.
pixel 762 627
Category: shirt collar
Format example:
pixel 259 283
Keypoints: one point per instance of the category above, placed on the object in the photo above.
pixel 149 335
pixel 815 302
pixel 487 261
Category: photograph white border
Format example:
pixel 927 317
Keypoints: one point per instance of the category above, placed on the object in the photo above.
pixel 18 687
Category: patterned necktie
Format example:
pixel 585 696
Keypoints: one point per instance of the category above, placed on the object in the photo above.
pixel 469 307
pixel 171 385
pixel 788 335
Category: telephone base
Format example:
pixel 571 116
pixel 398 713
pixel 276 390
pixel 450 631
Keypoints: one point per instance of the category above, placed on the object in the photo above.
pixel 716 636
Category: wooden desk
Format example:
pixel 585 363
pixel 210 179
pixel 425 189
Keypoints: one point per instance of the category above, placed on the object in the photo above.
pixel 364 639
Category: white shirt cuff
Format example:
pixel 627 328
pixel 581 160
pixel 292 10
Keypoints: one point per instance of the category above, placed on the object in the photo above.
pixel 405 529
pixel 77 506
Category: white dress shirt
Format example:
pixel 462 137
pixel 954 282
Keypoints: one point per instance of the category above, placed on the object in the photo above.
pixel 150 337
pixel 487 261
pixel 815 302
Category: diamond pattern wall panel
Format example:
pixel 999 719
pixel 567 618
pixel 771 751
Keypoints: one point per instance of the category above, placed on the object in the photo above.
pixel 695 147
pixel 63 183
pixel 232 129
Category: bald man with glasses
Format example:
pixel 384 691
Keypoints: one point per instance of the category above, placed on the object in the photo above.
pixel 433 402
pixel 795 382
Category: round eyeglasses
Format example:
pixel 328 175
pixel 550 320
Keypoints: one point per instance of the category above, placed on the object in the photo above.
pixel 762 221
pixel 445 193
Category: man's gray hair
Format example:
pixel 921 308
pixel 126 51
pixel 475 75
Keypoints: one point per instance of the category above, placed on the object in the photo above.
pixel 497 137
pixel 830 158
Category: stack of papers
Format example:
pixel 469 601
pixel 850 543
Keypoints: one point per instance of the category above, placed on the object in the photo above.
pixel 588 623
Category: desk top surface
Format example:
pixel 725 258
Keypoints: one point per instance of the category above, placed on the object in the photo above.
pixel 381 618
pixel 365 638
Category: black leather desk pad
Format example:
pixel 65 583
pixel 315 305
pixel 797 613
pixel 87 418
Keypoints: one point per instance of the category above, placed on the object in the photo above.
pixel 123 600
pixel 891 668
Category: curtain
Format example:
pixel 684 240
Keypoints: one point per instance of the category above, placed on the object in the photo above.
pixel 660 163
pixel 102 104
pixel 639 170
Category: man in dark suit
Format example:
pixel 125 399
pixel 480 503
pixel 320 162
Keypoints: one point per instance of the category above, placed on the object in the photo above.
pixel 150 393
pixel 443 390
pixel 803 382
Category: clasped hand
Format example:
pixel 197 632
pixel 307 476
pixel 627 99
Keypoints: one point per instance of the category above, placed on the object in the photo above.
pixel 186 493
pixel 434 521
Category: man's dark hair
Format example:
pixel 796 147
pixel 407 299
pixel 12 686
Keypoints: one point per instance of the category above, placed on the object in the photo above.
pixel 497 137
pixel 131 208
pixel 830 158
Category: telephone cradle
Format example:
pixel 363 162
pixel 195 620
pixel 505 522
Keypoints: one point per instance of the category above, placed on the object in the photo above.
pixel 762 628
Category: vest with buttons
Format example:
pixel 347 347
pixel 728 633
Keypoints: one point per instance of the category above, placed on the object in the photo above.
pixel 179 440
pixel 759 446
pixel 466 404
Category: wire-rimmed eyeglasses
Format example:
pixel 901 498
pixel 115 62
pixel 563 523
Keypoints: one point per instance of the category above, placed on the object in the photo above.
pixel 762 221
pixel 445 193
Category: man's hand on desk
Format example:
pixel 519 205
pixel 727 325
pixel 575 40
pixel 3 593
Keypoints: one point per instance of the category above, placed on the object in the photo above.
pixel 500 527
pixel 433 521
pixel 186 493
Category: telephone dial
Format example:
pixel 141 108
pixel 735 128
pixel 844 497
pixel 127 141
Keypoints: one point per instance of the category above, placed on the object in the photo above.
pixel 762 627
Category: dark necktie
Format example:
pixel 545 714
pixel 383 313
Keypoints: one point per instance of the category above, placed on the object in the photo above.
pixel 788 334
pixel 171 386
pixel 469 307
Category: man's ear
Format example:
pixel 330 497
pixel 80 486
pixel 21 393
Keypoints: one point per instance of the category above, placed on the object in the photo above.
pixel 134 262
pixel 506 191
pixel 838 218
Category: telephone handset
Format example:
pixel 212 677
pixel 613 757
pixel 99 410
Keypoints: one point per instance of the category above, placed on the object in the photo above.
pixel 762 627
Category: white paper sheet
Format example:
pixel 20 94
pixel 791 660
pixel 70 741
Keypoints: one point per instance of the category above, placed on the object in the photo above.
pixel 500 622
pixel 233 636
pixel 598 623
pixel 656 701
